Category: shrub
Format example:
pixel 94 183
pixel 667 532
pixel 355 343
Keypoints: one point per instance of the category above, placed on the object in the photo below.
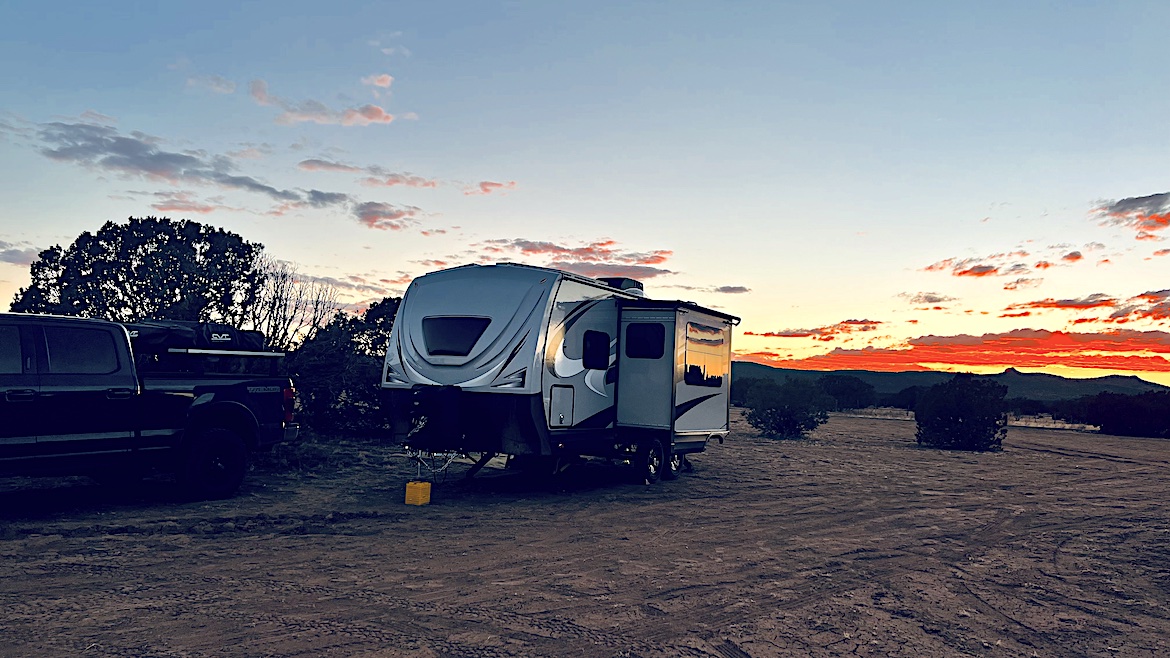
pixel 965 413
pixel 789 410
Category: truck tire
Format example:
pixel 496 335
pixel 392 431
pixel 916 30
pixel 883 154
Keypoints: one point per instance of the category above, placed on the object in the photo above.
pixel 673 466
pixel 649 462
pixel 213 464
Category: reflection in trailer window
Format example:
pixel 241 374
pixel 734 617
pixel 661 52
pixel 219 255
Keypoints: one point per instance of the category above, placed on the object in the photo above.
pixel 706 355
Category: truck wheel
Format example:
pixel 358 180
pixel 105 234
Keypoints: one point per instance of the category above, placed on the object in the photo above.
pixel 214 464
pixel 673 466
pixel 650 462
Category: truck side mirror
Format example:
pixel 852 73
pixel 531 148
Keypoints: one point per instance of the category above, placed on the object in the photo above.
pixel 595 349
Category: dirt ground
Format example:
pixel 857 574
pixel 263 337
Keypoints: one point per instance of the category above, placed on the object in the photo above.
pixel 852 542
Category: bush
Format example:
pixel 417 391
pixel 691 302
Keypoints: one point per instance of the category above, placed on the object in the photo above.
pixel 965 413
pixel 789 410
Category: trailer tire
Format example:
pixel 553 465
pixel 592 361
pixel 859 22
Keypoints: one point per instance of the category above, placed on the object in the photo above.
pixel 213 464
pixel 650 462
pixel 672 467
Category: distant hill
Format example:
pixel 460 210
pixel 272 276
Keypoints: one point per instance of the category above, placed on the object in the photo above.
pixel 1034 386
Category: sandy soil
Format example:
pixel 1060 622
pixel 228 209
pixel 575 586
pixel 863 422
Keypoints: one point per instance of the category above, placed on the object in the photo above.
pixel 853 542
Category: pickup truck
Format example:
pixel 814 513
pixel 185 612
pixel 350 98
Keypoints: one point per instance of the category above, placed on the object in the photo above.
pixel 76 399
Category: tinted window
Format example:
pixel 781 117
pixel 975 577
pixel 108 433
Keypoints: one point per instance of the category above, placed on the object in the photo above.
pixel 81 351
pixel 595 354
pixel 707 356
pixel 453 335
pixel 645 340
pixel 10 354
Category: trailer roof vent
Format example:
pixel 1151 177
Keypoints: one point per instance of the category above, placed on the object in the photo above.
pixel 623 283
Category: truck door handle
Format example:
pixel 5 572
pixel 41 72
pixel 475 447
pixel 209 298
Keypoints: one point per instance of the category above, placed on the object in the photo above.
pixel 20 395
pixel 119 393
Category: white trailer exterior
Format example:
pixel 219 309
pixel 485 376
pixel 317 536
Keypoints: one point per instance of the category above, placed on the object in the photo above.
pixel 539 363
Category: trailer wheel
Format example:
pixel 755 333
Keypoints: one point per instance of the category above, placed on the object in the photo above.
pixel 673 466
pixel 650 462
pixel 213 464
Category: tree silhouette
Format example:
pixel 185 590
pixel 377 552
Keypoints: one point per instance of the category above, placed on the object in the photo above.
pixel 789 410
pixel 147 268
pixel 848 391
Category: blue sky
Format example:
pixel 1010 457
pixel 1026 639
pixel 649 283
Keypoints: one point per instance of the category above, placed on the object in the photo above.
pixel 911 167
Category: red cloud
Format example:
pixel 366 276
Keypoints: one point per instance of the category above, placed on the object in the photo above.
pixel 1162 252
pixel 826 333
pixel 408 180
pixel 1072 256
pixel 487 187
pixel 1126 350
pixel 1021 314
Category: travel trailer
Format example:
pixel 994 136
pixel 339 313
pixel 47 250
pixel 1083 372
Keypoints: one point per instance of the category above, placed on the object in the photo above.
pixel 545 366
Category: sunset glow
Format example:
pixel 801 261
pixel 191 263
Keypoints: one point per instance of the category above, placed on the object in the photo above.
pixel 865 193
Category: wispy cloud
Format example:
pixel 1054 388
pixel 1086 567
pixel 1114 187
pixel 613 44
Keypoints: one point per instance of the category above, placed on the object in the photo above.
pixel 316 164
pixel 383 80
pixel 1096 300
pixel 1146 215
pixel 598 258
pixel 212 83
pixel 139 155
pixel 385 216
pixel 827 333
pixel 93 116
pixel 18 253
pixel 393 179
pixel 184 203
pixel 312 111
pixel 488 187
pixel 927 298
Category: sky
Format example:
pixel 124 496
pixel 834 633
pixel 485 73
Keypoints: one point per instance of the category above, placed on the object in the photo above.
pixel 881 186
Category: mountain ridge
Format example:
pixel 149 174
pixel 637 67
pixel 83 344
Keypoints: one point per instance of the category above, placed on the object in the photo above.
pixel 1031 385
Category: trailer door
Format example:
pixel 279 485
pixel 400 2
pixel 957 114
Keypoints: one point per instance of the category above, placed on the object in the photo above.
pixel 645 368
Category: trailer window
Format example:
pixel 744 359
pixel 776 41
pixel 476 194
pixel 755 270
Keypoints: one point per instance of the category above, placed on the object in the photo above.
pixel 707 356
pixel 81 351
pixel 645 340
pixel 453 335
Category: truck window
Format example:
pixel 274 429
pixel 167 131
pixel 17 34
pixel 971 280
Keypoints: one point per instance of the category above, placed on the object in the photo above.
pixel 706 356
pixel 10 354
pixel 645 340
pixel 81 351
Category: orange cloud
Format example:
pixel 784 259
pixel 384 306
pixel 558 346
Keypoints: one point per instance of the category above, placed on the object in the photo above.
pixel 978 270
pixel 1092 301
pixel 1127 350
pixel 1072 256
pixel 487 187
